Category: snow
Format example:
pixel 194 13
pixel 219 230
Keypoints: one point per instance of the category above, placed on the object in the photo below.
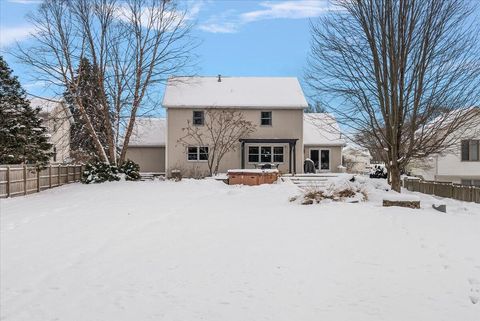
pixel 46 106
pixel 203 250
pixel 321 129
pixel 148 132
pixel 253 170
pixel 244 92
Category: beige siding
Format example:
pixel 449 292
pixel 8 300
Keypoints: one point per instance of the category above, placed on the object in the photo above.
pixel 150 159
pixel 335 156
pixel 286 124
pixel 58 124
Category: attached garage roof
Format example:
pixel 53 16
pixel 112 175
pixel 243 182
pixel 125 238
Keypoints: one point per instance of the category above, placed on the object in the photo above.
pixel 243 92
pixel 148 132
pixel 321 129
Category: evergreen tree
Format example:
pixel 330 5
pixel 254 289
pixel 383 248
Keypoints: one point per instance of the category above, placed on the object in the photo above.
pixel 87 89
pixel 23 138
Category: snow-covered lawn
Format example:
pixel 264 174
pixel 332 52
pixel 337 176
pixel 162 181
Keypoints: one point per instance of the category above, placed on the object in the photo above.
pixel 202 250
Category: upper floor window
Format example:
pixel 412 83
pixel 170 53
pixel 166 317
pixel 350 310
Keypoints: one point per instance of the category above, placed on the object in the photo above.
pixel 266 118
pixel 471 150
pixel 195 153
pixel 198 117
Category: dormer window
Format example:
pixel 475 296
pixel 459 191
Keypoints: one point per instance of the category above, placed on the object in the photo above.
pixel 198 117
pixel 266 118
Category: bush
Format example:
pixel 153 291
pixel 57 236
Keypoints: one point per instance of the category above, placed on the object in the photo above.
pixel 99 172
pixel 131 170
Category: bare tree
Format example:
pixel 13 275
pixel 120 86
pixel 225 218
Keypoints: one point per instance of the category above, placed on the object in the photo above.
pixel 221 133
pixel 134 45
pixel 401 71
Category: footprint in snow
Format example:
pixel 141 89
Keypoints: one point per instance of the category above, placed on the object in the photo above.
pixel 474 290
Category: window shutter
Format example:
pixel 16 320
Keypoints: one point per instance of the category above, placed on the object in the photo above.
pixel 465 150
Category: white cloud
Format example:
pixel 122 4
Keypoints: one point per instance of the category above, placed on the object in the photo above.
pixel 231 21
pixel 287 10
pixel 219 28
pixel 8 35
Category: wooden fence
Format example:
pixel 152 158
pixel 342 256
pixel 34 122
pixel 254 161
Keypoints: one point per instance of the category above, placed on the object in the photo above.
pixel 18 180
pixel 444 189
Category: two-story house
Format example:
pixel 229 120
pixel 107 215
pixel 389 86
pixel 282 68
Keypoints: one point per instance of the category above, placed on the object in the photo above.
pixel 275 105
pixel 459 164
pixel 57 118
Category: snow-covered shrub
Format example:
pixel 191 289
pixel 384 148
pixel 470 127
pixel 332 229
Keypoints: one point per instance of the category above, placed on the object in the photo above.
pixel 131 170
pixel 342 189
pixel 99 172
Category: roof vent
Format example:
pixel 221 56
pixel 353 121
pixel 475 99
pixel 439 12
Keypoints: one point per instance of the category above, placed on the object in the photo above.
pixel 219 78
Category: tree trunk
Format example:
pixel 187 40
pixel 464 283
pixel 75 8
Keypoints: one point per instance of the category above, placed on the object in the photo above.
pixel 395 182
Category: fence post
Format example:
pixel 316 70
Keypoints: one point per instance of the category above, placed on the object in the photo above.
pixel 24 179
pixel 59 175
pixel 38 180
pixel 68 171
pixel 50 176
pixel 8 181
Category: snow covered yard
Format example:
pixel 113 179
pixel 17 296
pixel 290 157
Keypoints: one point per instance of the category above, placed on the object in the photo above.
pixel 202 250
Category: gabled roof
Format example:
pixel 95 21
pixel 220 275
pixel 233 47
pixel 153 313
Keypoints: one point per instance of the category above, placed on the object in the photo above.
pixel 46 106
pixel 321 129
pixel 242 92
pixel 148 132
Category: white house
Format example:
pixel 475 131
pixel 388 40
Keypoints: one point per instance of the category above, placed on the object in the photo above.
pixel 461 164
pixel 57 118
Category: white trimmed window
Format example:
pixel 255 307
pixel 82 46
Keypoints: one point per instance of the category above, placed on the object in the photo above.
pixel 198 118
pixel 266 118
pixel 197 153
pixel 265 154
pixel 470 150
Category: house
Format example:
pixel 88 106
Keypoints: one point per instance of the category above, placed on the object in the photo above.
pixel 284 135
pixel 147 144
pixel 460 164
pixel 357 159
pixel 57 118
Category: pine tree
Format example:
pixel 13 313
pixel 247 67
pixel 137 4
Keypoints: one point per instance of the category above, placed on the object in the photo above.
pixel 87 89
pixel 23 138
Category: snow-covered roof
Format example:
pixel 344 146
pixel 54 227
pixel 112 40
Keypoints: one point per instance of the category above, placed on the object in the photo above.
pixel 243 92
pixel 321 129
pixel 47 106
pixel 148 132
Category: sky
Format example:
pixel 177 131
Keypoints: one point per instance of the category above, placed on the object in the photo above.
pixel 237 38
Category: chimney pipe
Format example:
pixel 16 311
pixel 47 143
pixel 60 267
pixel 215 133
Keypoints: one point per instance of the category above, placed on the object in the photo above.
pixel 219 78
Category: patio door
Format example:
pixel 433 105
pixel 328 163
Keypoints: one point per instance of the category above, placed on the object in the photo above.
pixel 321 158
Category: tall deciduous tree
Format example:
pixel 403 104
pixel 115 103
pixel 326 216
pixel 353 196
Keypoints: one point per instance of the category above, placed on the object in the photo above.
pixel 400 70
pixel 135 45
pixel 23 138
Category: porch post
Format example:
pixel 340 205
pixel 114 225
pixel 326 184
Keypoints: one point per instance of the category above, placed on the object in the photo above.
pixel 295 157
pixel 290 158
pixel 243 155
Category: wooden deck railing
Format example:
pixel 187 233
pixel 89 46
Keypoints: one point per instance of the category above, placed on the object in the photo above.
pixel 18 180
pixel 444 189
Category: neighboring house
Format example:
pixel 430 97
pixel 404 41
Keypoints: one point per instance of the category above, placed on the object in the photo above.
pixel 147 144
pixel 356 159
pixel 57 118
pixel 461 164
pixel 283 135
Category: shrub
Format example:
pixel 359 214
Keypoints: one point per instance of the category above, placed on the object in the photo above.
pixel 131 170
pixel 99 172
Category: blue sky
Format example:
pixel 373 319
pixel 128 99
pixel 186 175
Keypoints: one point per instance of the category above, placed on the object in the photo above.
pixel 238 38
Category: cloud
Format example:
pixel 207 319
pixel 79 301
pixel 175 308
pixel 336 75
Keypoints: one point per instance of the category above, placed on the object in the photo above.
pixel 8 35
pixel 287 10
pixel 231 21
